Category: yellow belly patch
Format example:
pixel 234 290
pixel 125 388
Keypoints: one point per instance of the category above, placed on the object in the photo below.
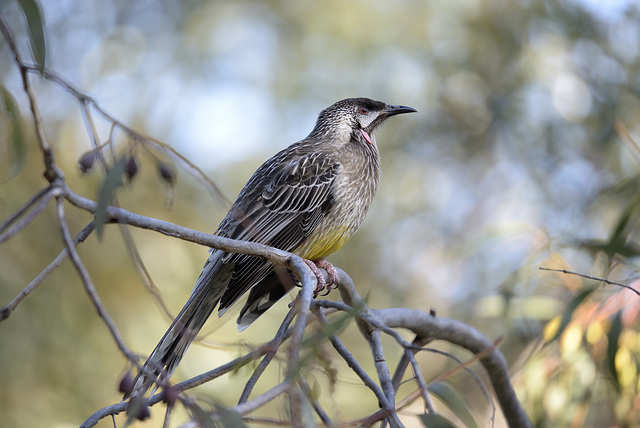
pixel 319 245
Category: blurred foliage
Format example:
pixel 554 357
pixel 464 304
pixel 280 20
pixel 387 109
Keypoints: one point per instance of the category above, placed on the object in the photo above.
pixel 512 164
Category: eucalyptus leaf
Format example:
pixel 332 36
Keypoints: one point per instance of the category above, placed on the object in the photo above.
pixel 454 401
pixel 228 418
pixel 434 420
pixel 111 182
pixel 612 346
pixel 33 13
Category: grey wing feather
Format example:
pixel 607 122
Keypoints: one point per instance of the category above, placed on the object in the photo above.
pixel 286 211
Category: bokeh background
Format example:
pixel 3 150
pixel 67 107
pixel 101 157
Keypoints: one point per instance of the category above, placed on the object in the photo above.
pixel 512 163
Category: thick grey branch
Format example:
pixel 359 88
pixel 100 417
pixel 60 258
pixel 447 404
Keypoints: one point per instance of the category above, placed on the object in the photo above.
pixel 429 327
pixel 120 215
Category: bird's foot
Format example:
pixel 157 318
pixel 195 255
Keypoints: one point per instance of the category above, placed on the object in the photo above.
pixel 331 272
pixel 322 284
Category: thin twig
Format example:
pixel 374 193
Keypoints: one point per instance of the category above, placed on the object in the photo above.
pixel 88 123
pixel 409 357
pixel 85 100
pixel 24 208
pixel 306 389
pixel 409 353
pixel 404 363
pixel 51 171
pixel 350 359
pixel 380 362
pixel 249 406
pixel 460 366
pixel 262 399
pixel 80 237
pixel 372 335
pixel 626 138
pixel 88 284
pixel 19 225
pixel 460 334
pixel 595 278
pixel 167 417
pixel 118 408
pixel 230 366
pixel 277 341
pixel 422 384
pixel 92 132
pixel 142 271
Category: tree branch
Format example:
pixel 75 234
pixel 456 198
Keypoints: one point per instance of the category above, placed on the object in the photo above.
pixel 280 337
pixel 80 237
pixel 51 171
pixel 370 322
pixel 350 359
pixel 427 326
pixel 23 209
pixel 120 215
pixel 86 100
pixel 28 212
pixel 88 284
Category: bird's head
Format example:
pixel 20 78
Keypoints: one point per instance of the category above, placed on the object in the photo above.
pixel 356 118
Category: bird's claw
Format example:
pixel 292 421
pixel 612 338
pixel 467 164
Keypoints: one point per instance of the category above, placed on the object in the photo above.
pixel 326 293
pixel 331 271
pixel 322 284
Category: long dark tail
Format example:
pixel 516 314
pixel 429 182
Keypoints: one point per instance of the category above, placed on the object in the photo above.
pixel 165 357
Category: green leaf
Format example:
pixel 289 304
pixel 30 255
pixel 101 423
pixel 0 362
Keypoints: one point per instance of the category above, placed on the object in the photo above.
pixel 454 401
pixel 18 141
pixel 335 327
pixel 623 221
pixel 229 419
pixel 612 346
pixel 204 419
pixel 111 182
pixel 434 420
pixel 618 243
pixel 33 13
pixel 568 313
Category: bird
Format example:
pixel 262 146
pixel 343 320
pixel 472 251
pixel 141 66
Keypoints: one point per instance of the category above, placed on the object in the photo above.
pixel 308 199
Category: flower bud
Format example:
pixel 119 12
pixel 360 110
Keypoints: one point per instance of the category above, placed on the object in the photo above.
pixel 167 173
pixel 131 168
pixel 87 160
pixel 126 384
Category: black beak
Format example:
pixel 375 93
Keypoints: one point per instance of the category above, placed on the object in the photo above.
pixel 393 110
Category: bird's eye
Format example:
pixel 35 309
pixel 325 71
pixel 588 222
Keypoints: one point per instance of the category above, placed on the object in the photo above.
pixel 364 110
